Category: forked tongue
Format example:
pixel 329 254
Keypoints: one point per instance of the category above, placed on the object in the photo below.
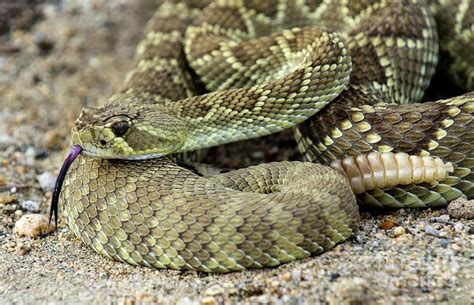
pixel 75 151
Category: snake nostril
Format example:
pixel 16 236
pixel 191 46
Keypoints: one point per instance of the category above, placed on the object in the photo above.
pixel 103 142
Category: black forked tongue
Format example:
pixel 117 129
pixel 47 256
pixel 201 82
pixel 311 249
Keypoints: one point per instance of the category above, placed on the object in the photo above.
pixel 75 151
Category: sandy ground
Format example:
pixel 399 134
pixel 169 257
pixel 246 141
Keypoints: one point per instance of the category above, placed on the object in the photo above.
pixel 76 55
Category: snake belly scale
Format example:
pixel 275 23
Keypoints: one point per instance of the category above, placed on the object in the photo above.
pixel 213 72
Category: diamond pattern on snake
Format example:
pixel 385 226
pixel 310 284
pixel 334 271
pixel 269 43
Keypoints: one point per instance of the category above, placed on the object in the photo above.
pixel 347 76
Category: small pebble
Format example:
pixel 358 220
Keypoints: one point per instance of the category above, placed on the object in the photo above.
pixel 33 225
pixel 30 205
pixel 22 249
pixel 432 231
pixel 456 247
pixel 43 43
pixel 187 301
pixel 209 301
pixel 461 208
pixel 407 239
pixel 286 276
pixel 442 219
pixel 388 224
pixel 10 208
pixel 379 235
pixel 470 230
pixel 215 290
pixel 459 227
pixel 444 243
pixel 296 275
pixel 398 231
pixel 46 181
pixel 30 153
pixel 7 199
pixel 443 234
pixel 264 299
pixel 334 276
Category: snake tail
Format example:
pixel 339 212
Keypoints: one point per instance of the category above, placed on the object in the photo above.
pixel 385 170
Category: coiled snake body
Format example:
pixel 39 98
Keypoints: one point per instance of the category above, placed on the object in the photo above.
pixel 212 73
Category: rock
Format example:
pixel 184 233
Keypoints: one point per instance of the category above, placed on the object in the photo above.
pixel 264 299
pixel 442 219
pixel 286 276
pixel 7 199
pixel 296 275
pixel 398 231
pixel 30 153
pixel 187 301
pixel 209 301
pixel 435 232
pixel 43 43
pixel 46 181
pixel 33 225
pixel 22 249
pixel 388 224
pixel 461 208
pixel 10 208
pixel 30 205
pixel 456 247
pixel 333 276
pixel 459 227
pixel 443 234
pixel 215 290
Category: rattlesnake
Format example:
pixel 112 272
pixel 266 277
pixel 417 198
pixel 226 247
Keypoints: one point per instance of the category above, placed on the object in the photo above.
pixel 270 65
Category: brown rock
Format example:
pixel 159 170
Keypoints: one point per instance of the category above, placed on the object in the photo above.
pixel 33 225
pixel 388 224
pixel 8 199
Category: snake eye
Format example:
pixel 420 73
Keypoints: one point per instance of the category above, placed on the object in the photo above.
pixel 120 128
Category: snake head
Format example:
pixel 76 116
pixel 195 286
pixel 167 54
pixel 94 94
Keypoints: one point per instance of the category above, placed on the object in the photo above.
pixel 128 131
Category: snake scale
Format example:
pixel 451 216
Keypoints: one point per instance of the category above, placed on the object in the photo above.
pixel 347 74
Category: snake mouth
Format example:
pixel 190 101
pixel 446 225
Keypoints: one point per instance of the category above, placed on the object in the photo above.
pixel 75 151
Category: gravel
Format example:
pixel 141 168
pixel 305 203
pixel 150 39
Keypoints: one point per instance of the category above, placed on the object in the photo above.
pixel 397 256
pixel 30 205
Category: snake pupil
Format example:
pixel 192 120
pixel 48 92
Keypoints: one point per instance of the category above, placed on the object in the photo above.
pixel 120 128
